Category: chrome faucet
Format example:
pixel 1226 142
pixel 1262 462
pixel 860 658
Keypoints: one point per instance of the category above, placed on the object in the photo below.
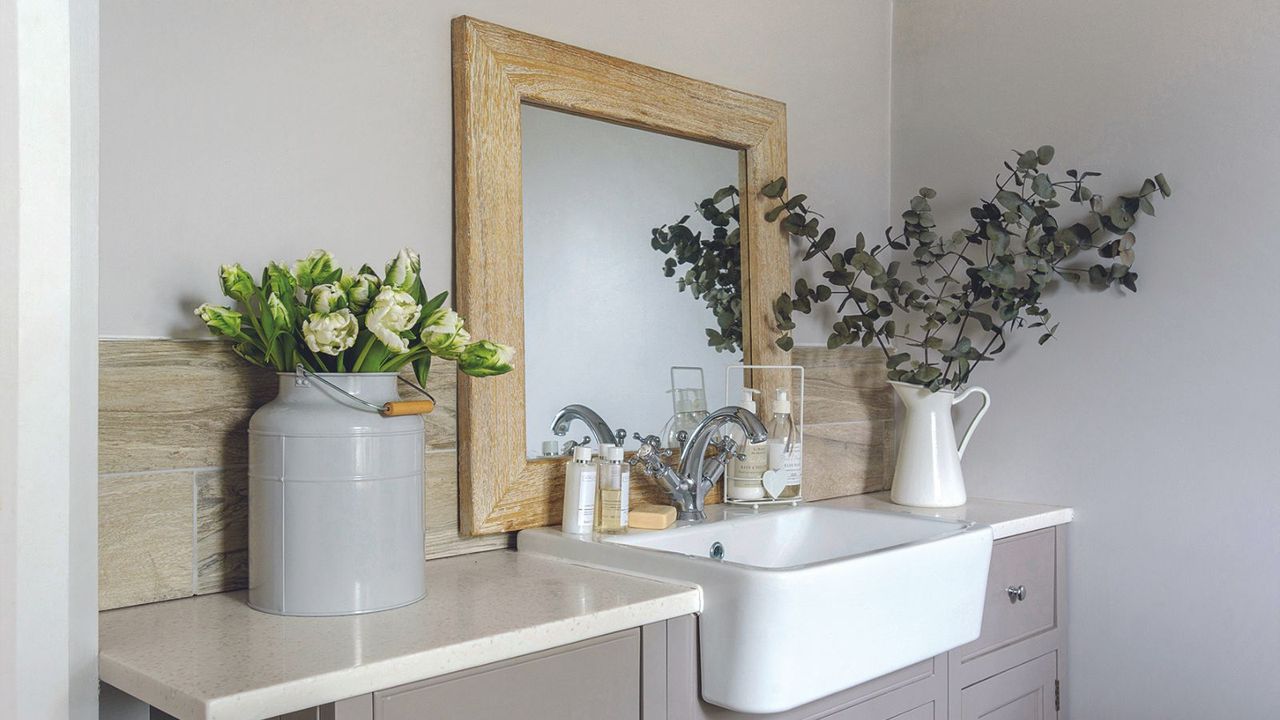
pixel 600 429
pixel 689 485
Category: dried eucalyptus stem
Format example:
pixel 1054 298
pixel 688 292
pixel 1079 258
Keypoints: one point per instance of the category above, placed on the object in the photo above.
pixel 971 288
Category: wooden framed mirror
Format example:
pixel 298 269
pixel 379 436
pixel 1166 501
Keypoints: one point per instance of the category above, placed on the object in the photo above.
pixel 498 74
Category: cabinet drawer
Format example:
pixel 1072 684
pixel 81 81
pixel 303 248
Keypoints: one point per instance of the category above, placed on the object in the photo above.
pixel 1026 692
pixel 1026 562
pixel 596 679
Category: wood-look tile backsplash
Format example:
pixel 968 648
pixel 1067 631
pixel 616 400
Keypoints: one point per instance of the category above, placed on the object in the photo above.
pixel 173 489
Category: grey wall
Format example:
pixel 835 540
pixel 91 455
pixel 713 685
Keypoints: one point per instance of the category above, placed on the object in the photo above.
pixel 1152 414
pixel 246 131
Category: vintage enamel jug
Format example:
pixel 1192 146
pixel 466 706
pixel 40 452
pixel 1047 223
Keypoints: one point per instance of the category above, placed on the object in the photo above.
pixel 928 470
pixel 335 496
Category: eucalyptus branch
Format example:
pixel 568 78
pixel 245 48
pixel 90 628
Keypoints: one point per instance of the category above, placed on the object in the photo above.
pixel 1023 245
pixel 714 261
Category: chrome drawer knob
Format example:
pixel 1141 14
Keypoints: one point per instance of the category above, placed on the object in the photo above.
pixel 1016 593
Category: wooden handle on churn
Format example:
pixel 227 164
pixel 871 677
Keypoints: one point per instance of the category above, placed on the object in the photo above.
pixel 408 407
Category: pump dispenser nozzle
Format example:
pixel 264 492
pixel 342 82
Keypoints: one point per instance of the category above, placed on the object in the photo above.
pixel 781 402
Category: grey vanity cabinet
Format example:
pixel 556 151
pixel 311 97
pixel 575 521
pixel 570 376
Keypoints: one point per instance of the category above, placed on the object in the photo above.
pixel 1026 692
pixel 1022 622
pixel 1011 672
pixel 597 679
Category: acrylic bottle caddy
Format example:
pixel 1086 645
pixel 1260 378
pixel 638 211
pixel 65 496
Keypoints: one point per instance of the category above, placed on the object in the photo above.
pixel 735 384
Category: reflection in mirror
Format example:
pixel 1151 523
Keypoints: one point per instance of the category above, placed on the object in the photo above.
pixel 617 290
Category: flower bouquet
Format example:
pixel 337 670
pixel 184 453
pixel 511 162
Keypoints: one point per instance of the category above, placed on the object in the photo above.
pixel 329 320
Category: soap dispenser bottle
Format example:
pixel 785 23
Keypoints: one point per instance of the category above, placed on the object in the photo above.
pixel 784 448
pixel 611 494
pixel 744 476
pixel 579 493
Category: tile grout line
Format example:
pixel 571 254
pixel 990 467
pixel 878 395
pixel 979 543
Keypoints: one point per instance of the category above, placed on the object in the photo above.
pixel 195 517
pixel 217 468
pixel 162 471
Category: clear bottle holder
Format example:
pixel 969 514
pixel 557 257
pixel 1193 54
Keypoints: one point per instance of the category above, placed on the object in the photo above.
pixel 740 372
pixel 668 442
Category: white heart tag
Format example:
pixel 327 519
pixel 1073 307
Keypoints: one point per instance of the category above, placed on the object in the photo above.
pixel 774 482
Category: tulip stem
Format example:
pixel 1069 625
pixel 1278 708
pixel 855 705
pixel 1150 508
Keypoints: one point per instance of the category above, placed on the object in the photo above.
pixel 368 343
pixel 399 361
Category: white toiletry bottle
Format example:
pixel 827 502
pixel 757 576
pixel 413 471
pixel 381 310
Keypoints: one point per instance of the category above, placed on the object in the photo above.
pixel 784 447
pixel 743 477
pixel 579 493
pixel 611 499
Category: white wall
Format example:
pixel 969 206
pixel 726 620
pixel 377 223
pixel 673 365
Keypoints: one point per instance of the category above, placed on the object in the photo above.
pixel 603 325
pixel 246 131
pixel 1153 414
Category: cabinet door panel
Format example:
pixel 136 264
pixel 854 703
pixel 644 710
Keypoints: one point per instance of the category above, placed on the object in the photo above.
pixel 924 712
pixel 596 679
pixel 1025 692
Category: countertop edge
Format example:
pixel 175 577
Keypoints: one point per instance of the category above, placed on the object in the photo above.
pixel 1004 517
pixel 1031 523
pixel 143 687
pixel 351 682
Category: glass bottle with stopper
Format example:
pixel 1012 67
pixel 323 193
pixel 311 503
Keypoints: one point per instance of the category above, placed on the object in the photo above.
pixel 782 479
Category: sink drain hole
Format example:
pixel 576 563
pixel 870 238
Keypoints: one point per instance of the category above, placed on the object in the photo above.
pixel 717 551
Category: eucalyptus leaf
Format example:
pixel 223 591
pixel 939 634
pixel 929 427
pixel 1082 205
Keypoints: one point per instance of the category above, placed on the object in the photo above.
pixel 970 288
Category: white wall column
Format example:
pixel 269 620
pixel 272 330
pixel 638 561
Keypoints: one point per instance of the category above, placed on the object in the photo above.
pixel 48 358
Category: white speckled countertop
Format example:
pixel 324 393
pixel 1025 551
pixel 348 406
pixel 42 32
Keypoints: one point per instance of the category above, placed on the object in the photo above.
pixel 213 658
pixel 1005 518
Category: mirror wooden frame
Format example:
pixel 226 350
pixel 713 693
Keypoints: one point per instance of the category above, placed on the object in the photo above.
pixel 495 69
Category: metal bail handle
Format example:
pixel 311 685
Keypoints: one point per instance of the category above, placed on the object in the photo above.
pixel 391 409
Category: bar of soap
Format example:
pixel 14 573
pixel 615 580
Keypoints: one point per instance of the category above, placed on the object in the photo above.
pixel 651 517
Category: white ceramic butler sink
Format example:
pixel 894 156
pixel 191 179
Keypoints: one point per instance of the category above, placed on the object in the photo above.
pixel 806 601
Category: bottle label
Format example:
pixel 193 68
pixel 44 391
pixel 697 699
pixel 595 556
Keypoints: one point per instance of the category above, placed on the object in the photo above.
pixel 587 500
pixel 610 509
pixel 625 512
pixel 753 466
pixel 791 465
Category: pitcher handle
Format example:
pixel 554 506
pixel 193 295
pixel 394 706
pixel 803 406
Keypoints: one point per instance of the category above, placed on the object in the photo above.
pixel 973 424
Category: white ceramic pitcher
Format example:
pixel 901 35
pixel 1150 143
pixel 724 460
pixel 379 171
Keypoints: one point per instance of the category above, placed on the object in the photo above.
pixel 928 471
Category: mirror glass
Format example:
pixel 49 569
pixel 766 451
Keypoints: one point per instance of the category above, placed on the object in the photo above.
pixel 617 290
